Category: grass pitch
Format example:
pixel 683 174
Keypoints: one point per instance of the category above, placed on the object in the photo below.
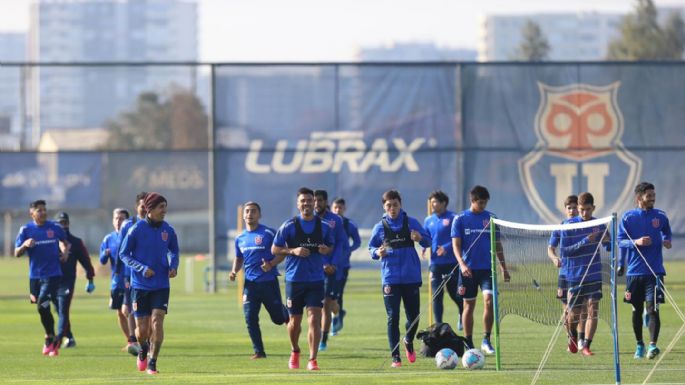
pixel 206 342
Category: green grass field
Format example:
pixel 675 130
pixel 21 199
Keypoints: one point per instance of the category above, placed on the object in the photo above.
pixel 207 343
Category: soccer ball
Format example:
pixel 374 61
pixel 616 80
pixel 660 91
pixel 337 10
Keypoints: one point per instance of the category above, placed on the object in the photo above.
pixel 473 359
pixel 446 359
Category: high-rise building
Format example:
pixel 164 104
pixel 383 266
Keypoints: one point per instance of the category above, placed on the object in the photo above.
pixel 571 36
pixel 106 31
pixel 579 36
pixel 12 49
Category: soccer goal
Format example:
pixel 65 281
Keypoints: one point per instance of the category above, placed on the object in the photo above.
pixel 585 255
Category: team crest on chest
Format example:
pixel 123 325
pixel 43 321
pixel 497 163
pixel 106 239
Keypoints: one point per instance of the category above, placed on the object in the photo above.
pixel 50 233
pixel 258 240
pixel 656 223
pixel 579 128
pixel 446 222
pixel 486 222
pixel 165 235
pixel 331 223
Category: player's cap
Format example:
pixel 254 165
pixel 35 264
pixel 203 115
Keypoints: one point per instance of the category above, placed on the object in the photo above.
pixel 62 217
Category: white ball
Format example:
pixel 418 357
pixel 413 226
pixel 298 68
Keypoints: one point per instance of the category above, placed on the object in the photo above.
pixel 446 359
pixel 473 359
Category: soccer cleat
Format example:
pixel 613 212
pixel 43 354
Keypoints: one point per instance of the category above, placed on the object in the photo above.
pixel 653 351
pixel 152 367
pixel 587 352
pixel 572 345
pixel 294 361
pixel 54 349
pixel 581 344
pixel 312 365
pixel 133 348
pixel 323 346
pixel 69 343
pixel 396 362
pixel 341 319
pixel 409 350
pixel 141 362
pixel 639 352
pixel 486 347
pixel 335 325
pixel 47 347
pixel 258 355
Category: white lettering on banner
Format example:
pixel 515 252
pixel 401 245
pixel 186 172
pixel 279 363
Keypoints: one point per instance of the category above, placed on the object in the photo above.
pixel 174 178
pixel 565 173
pixel 330 151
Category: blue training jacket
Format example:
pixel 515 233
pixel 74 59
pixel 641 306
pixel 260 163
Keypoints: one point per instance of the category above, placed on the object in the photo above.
pixel 439 227
pixel 400 265
pixel 150 246
pixel 636 224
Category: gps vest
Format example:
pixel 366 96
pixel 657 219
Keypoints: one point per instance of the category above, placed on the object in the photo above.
pixel 308 241
pixel 397 240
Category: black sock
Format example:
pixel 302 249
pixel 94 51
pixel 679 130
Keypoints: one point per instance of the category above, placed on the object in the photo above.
pixel 143 350
pixel 581 336
pixel 324 336
pixel 588 342
pixel 654 324
pixel 469 341
pixel 132 339
pixel 574 334
pixel 296 350
pixel 641 342
pixel 486 336
pixel 49 340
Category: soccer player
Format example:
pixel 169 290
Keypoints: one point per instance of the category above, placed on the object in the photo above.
pixel 352 231
pixel 108 254
pixel 253 251
pixel 579 251
pixel 642 234
pixel 133 346
pixel 471 244
pixel 150 249
pixel 65 292
pixel 571 210
pixel 333 273
pixel 443 263
pixel 392 241
pixel 47 246
pixel 305 241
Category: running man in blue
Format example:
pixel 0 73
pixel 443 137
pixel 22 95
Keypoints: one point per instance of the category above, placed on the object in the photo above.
pixel 443 263
pixel 471 244
pixel 571 211
pixel 352 231
pixel 65 292
pixel 579 249
pixel 47 246
pixel 306 241
pixel 133 346
pixel 642 234
pixel 333 273
pixel 151 250
pixel 108 254
pixel 253 251
pixel 392 241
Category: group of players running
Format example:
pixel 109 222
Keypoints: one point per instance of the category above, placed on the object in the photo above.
pixel 315 246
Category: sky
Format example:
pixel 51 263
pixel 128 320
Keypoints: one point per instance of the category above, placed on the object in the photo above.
pixel 323 30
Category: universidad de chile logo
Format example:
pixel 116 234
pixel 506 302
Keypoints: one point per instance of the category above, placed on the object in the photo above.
pixel 579 129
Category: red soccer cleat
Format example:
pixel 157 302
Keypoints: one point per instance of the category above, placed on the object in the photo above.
pixel 294 361
pixel 141 364
pixel 312 365
pixel 587 352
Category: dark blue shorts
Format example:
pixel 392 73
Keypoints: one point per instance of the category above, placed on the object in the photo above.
pixel 332 286
pixel 578 294
pixel 468 287
pixel 301 294
pixel 116 298
pixel 562 289
pixel 43 290
pixel 146 300
pixel 644 288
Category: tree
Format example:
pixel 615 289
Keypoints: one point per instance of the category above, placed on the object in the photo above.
pixel 642 38
pixel 179 123
pixel 534 45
